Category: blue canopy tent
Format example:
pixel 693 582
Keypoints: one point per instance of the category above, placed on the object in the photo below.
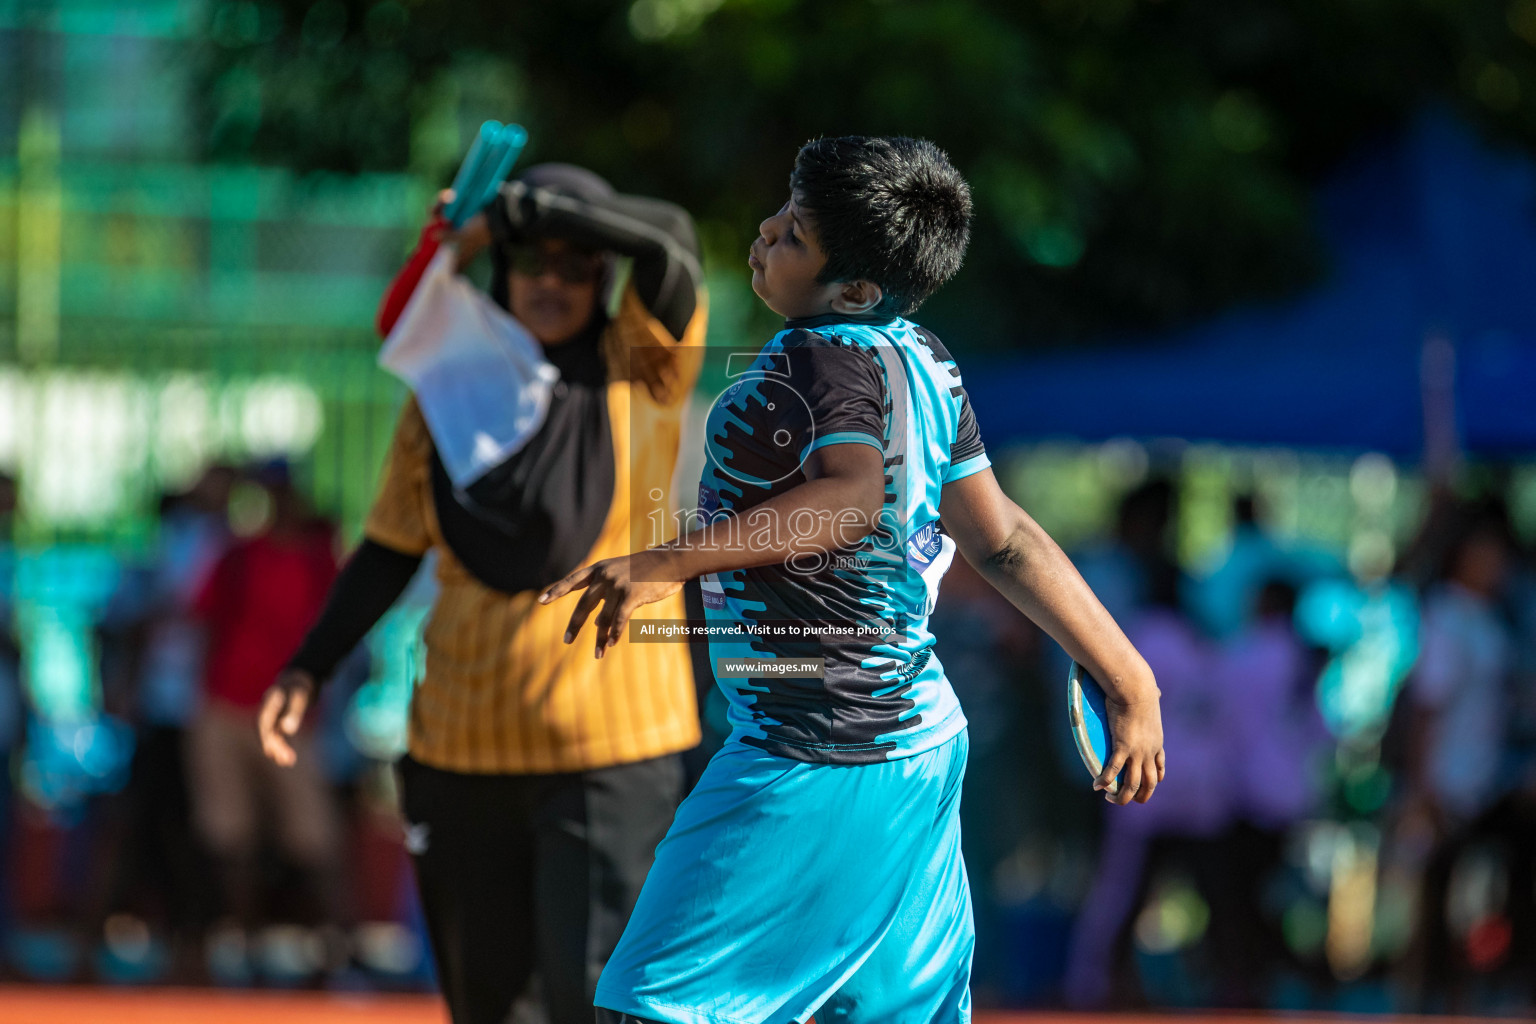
pixel 1428 315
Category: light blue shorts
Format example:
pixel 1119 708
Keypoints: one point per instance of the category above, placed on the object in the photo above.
pixel 785 889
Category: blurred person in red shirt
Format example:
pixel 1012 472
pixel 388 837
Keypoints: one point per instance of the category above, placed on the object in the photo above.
pixel 257 605
pixel 150 649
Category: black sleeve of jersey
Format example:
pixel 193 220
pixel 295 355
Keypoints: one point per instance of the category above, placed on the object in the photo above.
pixel 967 443
pixel 659 236
pixel 368 584
pixel 841 384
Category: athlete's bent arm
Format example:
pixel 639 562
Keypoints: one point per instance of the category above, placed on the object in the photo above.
pixel 838 505
pixel 1027 567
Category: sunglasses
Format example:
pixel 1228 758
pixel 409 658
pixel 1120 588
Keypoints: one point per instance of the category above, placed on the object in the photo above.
pixel 569 265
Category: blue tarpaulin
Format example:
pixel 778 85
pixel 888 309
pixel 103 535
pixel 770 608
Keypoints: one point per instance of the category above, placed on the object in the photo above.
pixel 1432 244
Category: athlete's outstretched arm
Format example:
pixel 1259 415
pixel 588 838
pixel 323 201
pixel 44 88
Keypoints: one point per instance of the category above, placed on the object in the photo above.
pixel 1017 557
pixel 837 506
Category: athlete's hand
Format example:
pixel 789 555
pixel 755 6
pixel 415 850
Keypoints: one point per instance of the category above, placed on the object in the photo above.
pixel 282 712
pixel 619 586
pixel 1137 729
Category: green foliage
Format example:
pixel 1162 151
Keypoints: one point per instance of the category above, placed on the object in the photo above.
pixel 1136 162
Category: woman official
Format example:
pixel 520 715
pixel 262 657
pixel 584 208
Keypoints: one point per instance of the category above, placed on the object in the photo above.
pixel 538 779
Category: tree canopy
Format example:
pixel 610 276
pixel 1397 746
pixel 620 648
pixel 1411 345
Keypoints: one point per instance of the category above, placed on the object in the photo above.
pixel 1136 163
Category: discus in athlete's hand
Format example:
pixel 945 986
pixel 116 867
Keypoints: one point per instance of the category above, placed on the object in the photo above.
pixel 1090 722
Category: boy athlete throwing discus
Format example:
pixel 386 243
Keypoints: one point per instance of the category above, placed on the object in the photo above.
pixel 815 868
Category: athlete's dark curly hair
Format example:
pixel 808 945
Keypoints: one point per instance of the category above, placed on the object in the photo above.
pixel 889 210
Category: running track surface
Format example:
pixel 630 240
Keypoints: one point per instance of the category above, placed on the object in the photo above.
pixel 27 1005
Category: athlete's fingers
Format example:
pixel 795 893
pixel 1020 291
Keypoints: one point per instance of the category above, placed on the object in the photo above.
pixel 626 613
pixel 621 618
pixel 1128 785
pixel 576 580
pixel 604 622
pixel 1162 765
pixel 1148 769
pixel 1111 770
pixel 590 599
pixel 615 613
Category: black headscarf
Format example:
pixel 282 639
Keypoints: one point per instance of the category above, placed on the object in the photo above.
pixel 532 519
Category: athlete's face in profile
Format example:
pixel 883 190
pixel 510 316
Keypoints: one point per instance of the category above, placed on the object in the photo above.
pixel 552 288
pixel 785 262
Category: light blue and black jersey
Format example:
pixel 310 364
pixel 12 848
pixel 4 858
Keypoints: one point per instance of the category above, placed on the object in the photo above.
pixel 862 608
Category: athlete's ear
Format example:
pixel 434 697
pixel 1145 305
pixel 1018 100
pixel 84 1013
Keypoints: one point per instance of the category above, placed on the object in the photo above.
pixel 856 298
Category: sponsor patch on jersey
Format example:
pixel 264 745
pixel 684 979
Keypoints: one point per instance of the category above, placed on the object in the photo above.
pixel 713 592
pixel 924 546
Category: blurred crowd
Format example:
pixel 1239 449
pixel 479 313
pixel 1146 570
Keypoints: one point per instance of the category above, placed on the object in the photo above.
pixel 202 861
pixel 1349 816
pixel 1348 821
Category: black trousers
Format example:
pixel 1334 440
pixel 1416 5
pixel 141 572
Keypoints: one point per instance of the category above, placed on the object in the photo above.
pixel 524 875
